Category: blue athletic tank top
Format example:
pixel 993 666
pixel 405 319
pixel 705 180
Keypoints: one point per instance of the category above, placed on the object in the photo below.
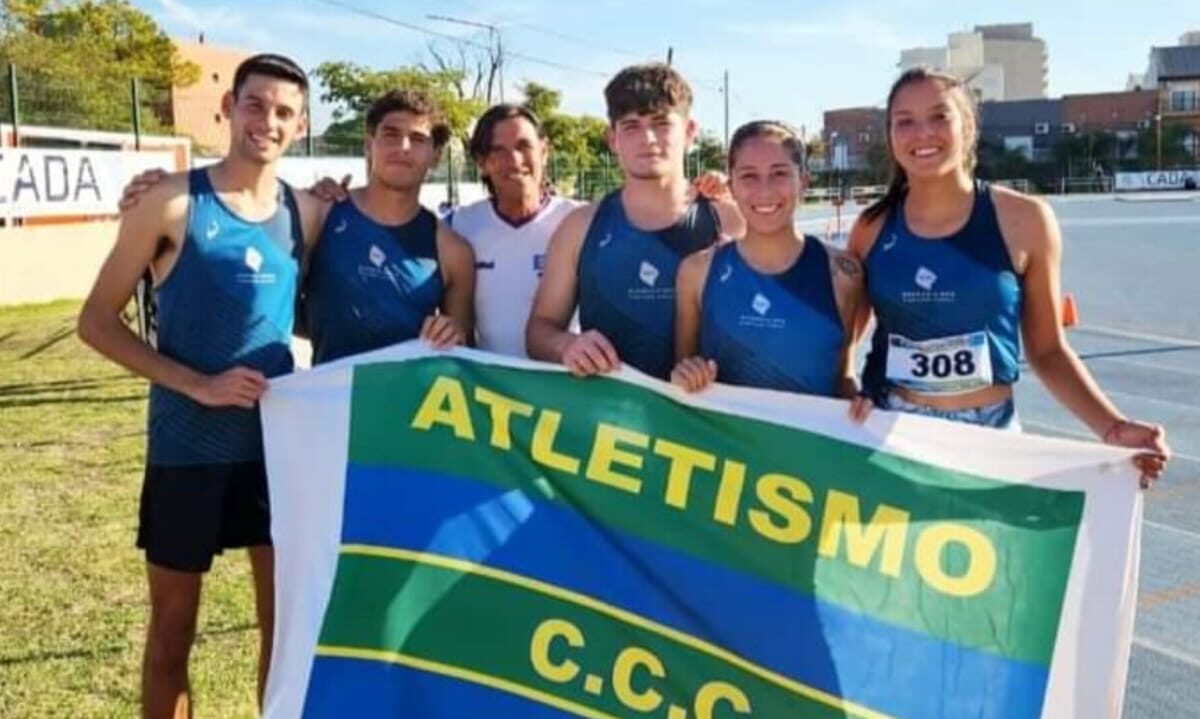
pixel 948 310
pixel 228 301
pixel 779 331
pixel 626 280
pixel 370 285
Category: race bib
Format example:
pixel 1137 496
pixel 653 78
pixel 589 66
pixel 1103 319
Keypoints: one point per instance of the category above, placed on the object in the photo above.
pixel 944 365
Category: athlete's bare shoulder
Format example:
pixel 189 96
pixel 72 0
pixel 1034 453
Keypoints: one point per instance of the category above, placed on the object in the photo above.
pixel 863 234
pixel 573 228
pixel 1027 223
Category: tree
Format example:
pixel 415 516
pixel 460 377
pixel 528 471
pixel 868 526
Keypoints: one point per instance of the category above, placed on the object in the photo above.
pixel 542 100
pixel 475 71
pixel 352 88
pixel 579 150
pixel 1175 152
pixel 75 62
pixel 708 153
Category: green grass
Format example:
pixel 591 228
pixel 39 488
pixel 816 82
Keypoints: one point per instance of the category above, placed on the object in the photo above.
pixel 72 585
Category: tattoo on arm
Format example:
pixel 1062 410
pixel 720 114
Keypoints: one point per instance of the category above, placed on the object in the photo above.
pixel 847 266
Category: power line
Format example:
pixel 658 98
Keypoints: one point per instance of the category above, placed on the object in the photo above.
pixel 454 38
pixel 580 41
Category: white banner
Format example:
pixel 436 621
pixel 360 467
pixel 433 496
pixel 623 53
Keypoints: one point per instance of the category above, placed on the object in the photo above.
pixel 64 183
pixel 1164 180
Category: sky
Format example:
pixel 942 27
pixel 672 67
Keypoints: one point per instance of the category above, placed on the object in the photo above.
pixel 786 60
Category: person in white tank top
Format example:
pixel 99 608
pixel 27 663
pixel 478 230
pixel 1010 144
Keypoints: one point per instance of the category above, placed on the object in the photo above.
pixel 509 230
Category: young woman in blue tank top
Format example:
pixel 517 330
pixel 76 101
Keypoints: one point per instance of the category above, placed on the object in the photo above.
pixel 774 309
pixel 959 274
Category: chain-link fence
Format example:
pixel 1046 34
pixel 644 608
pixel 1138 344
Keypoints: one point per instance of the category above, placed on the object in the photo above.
pixel 79 101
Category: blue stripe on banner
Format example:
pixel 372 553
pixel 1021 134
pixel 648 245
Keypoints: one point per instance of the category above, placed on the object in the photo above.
pixel 365 689
pixel 890 669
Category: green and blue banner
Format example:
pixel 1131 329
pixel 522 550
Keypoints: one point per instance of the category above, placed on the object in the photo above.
pixel 463 535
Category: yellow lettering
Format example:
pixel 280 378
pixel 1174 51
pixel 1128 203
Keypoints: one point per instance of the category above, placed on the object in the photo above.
pixel 445 403
pixel 981 564
pixel 502 409
pixel 729 493
pixel 713 692
pixel 889 527
pixel 542 448
pixel 684 460
pixel 628 661
pixel 782 495
pixel 539 650
pixel 606 453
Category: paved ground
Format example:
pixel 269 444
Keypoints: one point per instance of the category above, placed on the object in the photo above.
pixel 1134 267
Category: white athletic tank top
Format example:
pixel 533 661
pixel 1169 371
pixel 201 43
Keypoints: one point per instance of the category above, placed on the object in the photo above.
pixel 508 264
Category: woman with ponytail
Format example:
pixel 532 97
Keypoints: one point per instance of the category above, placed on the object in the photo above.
pixel 960 274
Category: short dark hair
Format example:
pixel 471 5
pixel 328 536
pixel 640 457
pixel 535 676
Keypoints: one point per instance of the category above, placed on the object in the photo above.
pixel 271 65
pixel 414 102
pixel 791 141
pixel 645 89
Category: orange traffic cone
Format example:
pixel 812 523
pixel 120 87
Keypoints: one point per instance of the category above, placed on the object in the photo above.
pixel 1070 311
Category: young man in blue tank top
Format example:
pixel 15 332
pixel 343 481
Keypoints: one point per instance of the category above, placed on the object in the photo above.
pixel 960 274
pixel 616 260
pixel 386 269
pixel 773 310
pixel 224 245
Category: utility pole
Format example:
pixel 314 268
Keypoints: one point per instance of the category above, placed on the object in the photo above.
pixel 1158 143
pixel 494 41
pixel 670 55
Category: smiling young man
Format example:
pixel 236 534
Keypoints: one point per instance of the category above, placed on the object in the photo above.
pixel 224 245
pixel 616 260
pixel 511 228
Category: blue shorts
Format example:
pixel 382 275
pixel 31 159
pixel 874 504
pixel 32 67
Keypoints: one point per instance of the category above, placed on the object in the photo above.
pixel 1000 415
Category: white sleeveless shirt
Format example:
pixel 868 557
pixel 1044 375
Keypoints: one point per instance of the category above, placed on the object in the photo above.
pixel 508 265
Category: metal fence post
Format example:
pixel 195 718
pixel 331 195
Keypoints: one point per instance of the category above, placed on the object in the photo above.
pixel 14 106
pixel 137 113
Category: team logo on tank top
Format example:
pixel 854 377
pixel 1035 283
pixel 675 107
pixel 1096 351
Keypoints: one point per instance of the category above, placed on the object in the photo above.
pixel 213 230
pixel 760 305
pixel 376 256
pixel 649 275
pixel 926 279
pixel 253 260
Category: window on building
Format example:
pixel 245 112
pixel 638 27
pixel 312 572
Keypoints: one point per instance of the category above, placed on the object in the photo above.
pixel 1183 100
pixel 864 138
pixel 1022 144
pixel 1068 128
pixel 1041 128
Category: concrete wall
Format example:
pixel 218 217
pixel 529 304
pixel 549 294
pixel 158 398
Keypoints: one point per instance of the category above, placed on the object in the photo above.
pixel 50 262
